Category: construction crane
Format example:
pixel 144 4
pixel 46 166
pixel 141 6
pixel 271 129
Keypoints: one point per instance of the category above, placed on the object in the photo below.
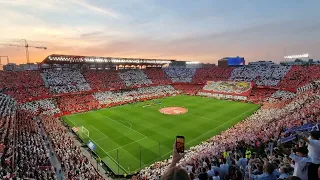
pixel 26 45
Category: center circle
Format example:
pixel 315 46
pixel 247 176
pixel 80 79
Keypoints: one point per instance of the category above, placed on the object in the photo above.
pixel 173 110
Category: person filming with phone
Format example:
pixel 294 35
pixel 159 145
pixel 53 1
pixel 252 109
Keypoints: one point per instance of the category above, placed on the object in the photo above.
pixel 175 172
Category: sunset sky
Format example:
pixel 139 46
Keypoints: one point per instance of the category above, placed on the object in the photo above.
pixel 195 30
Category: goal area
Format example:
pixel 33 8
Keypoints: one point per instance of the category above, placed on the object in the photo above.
pixel 83 134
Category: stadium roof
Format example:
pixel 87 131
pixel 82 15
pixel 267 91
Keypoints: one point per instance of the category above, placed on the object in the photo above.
pixel 73 59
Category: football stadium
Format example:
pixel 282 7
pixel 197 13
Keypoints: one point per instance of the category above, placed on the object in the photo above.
pixel 89 117
pixel 157 90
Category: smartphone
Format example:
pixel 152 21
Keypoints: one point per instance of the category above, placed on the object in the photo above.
pixel 180 144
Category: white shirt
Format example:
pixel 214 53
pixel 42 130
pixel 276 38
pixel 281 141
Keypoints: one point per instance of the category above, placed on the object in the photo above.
pixel 189 168
pixel 301 166
pixel 216 177
pixel 314 150
pixel 204 164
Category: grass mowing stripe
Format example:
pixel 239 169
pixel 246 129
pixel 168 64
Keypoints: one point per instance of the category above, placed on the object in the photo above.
pixel 127 144
pixel 99 131
pixel 124 126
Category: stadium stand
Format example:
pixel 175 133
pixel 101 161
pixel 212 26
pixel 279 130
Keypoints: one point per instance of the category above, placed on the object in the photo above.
pixel 282 95
pixel 184 75
pixel 102 80
pixel 202 75
pixel 23 84
pixel 20 79
pixel 74 164
pixel 190 89
pixel 239 152
pixel 43 106
pixel 7 144
pixel 65 81
pixel 135 78
pixel 262 75
pixel 77 103
pixel 260 95
pixel 32 157
pixel 27 93
pixel 299 76
pixel 7 105
pixel 119 97
pixel 157 76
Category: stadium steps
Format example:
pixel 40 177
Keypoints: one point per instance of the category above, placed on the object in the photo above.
pixel 46 84
pixel 53 158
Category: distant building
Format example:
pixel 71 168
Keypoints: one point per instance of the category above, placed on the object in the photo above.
pixel 259 63
pixel 223 62
pixel 10 67
pixel 20 67
pixel 231 61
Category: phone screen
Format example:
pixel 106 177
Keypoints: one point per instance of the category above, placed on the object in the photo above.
pixel 180 144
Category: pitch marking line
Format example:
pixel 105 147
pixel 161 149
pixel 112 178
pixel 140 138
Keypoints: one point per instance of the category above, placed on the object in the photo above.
pixel 100 131
pixel 122 125
pixel 127 122
pixel 127 144
pixel 204 118
pixel 102 138
pixel 104 151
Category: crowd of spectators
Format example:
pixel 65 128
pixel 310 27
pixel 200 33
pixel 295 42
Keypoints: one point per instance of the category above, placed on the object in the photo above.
pixel 299 76
pixel 43 106
pixel 32 156
pixel 221 156
pixel 22 84
pixel 6 144
pixel 73 163
pixel 202 75
pixel 157 76
pixel 7 105
pixel 77 103
pixel 20 79
pixel 110 97
pixel 190 89
pixel 260 94
pixel 282 95
pixel 134 77
pixel 242 150
pixel 183 75
pixel 101 80
pixel 65 81
pixel 306 87
pixel 26 93
pixel 262 75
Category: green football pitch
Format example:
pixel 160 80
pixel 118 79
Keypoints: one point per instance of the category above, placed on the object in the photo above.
pixel 132 136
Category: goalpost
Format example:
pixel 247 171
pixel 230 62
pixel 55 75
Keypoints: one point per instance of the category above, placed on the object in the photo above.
pixel 83 133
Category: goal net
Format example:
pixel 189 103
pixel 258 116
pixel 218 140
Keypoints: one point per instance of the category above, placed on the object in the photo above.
pixel 83 133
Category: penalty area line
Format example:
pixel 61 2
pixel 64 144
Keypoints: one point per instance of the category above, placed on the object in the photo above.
pixel 127 144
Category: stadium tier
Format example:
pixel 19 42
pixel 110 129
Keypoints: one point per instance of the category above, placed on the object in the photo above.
pixel 238 122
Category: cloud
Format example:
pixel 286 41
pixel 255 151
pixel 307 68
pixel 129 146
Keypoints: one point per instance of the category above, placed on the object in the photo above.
pixel 108 12
pixel 91 34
